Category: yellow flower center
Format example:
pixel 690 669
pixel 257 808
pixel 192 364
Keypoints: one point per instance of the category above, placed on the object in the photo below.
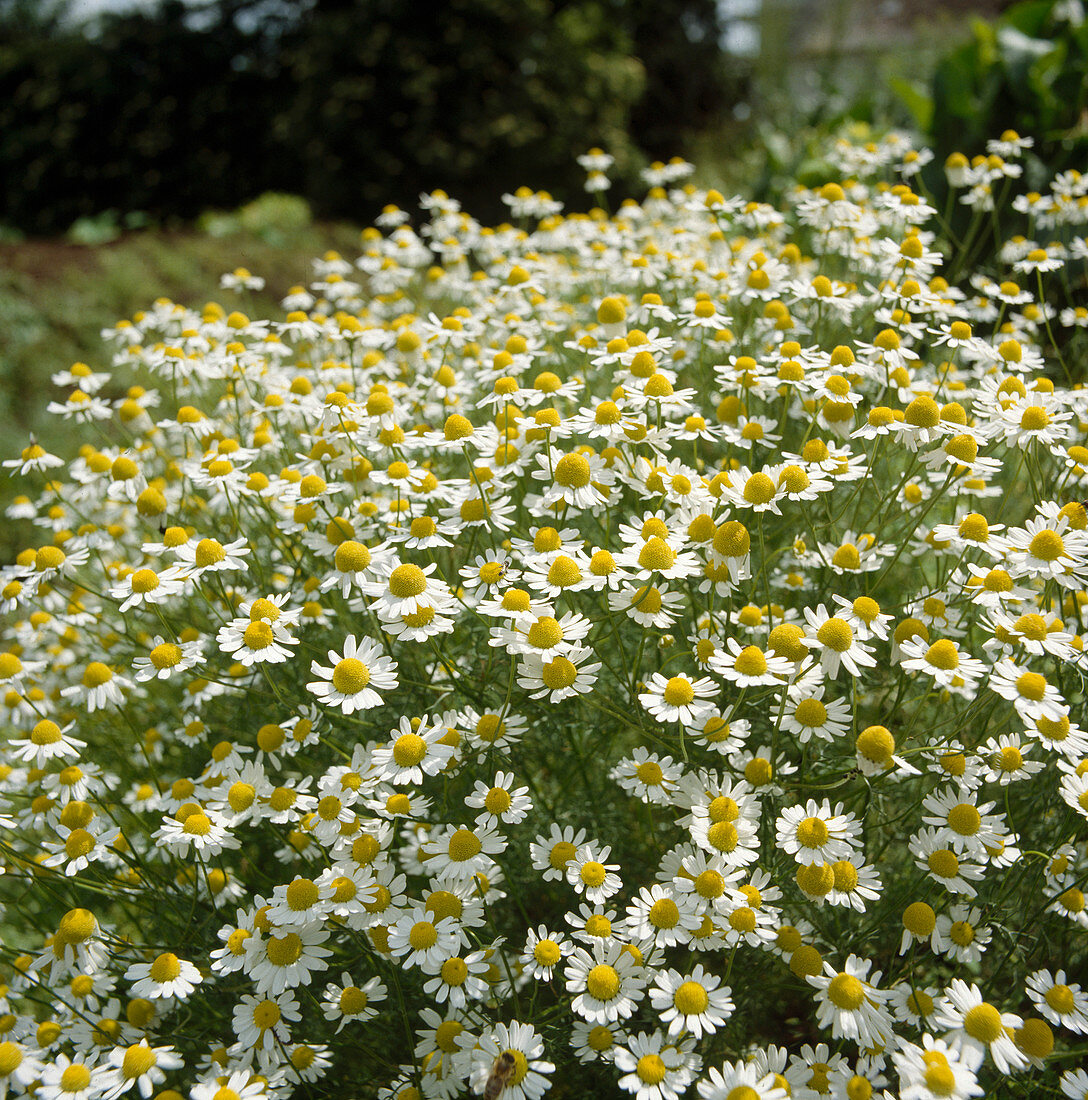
pixel 1031 685
pixel 96 674
pixel 723 836
pixel 743 919
pixel 284 950
pixel 812 832
pixel 943 654
pixel 406 581
pixel 166 655
pixel 811 713
pixel 656 555
pixel 547 953
pixel 836 634
pixel 165 968
pixel 464 845
pixel 544 633
pixel 423 934
pixel 845 991
pixel 302 894
pixel 266 1015
pixel 564 572
pixel 593 873
pixel 409 749
pixel 1047 545
pixel 561 854
pixel 944 863
pixel 603 982
pixel 846 875
pixel 678 692
pixel 983 1022
pixel 559 673
pixel 350 676
pixel 1060 998
pixel 454 971
pixel 710 884
pixel 257 635
pixel 650 1069
pixel 572 471
pixel 75 1078
pixel 759 489
pixel 751 661
pixel 497 801
pixel 964 819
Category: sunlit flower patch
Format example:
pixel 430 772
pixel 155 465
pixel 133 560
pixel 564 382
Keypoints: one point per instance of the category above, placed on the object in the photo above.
pixel 620 654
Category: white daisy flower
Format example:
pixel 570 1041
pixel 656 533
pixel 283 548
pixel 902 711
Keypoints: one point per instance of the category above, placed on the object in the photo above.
pixel 975 1023
pixel 352 681
pixel 695 1002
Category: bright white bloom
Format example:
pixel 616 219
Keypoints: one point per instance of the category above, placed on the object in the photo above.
pixel 973 1022
pixel 352 681
pixel 695 1002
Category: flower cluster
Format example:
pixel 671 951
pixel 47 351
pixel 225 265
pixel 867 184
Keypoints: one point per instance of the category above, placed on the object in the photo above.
pixel 636 653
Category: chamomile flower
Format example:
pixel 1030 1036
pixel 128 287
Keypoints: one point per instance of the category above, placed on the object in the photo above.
pixel 977 1023
pixel 968 827
pixel 837 642
pixel 945 662
pixel 46 742
pixel 850 1002
pixel 648 776
pixel 652 1068
pixel 501 801
pixel 262 1022
pixel 591 876
pixel 200 830
pixel 678 698
pixel 1063 1004
pixel 352 681
pixel 416 750
pixel 543 952
pixel 596 1042
pixel 814 833
pixel 165 976
pixel 255 641
pixel 663 915
pixel 77 1078
pixel 695 1002
pixel 462 852
pixel 933 853
pixel 937 1070
pixel 553 853
pixel 166 659
pixel 606 981
pixel 742 1079
pixel 138 1066
pixel 1030 692
pixel 960 934
pixel 419 939
pixel 347 1003
pixel 530 1078
pixel 749 666
pixel 562 677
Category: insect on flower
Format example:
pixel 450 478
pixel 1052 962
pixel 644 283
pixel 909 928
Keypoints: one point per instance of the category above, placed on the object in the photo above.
pixel 502 1070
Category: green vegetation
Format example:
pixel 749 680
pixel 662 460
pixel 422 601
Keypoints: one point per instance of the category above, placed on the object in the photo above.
pixel 57 296
pixel 1027 71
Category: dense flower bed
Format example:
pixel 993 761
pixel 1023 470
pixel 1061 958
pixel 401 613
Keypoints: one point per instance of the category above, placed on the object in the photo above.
pixel 637 652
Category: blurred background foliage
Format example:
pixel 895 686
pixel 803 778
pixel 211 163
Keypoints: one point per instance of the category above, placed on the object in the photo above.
pixel 1030 66
pixel 350 103
pixel 162 111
